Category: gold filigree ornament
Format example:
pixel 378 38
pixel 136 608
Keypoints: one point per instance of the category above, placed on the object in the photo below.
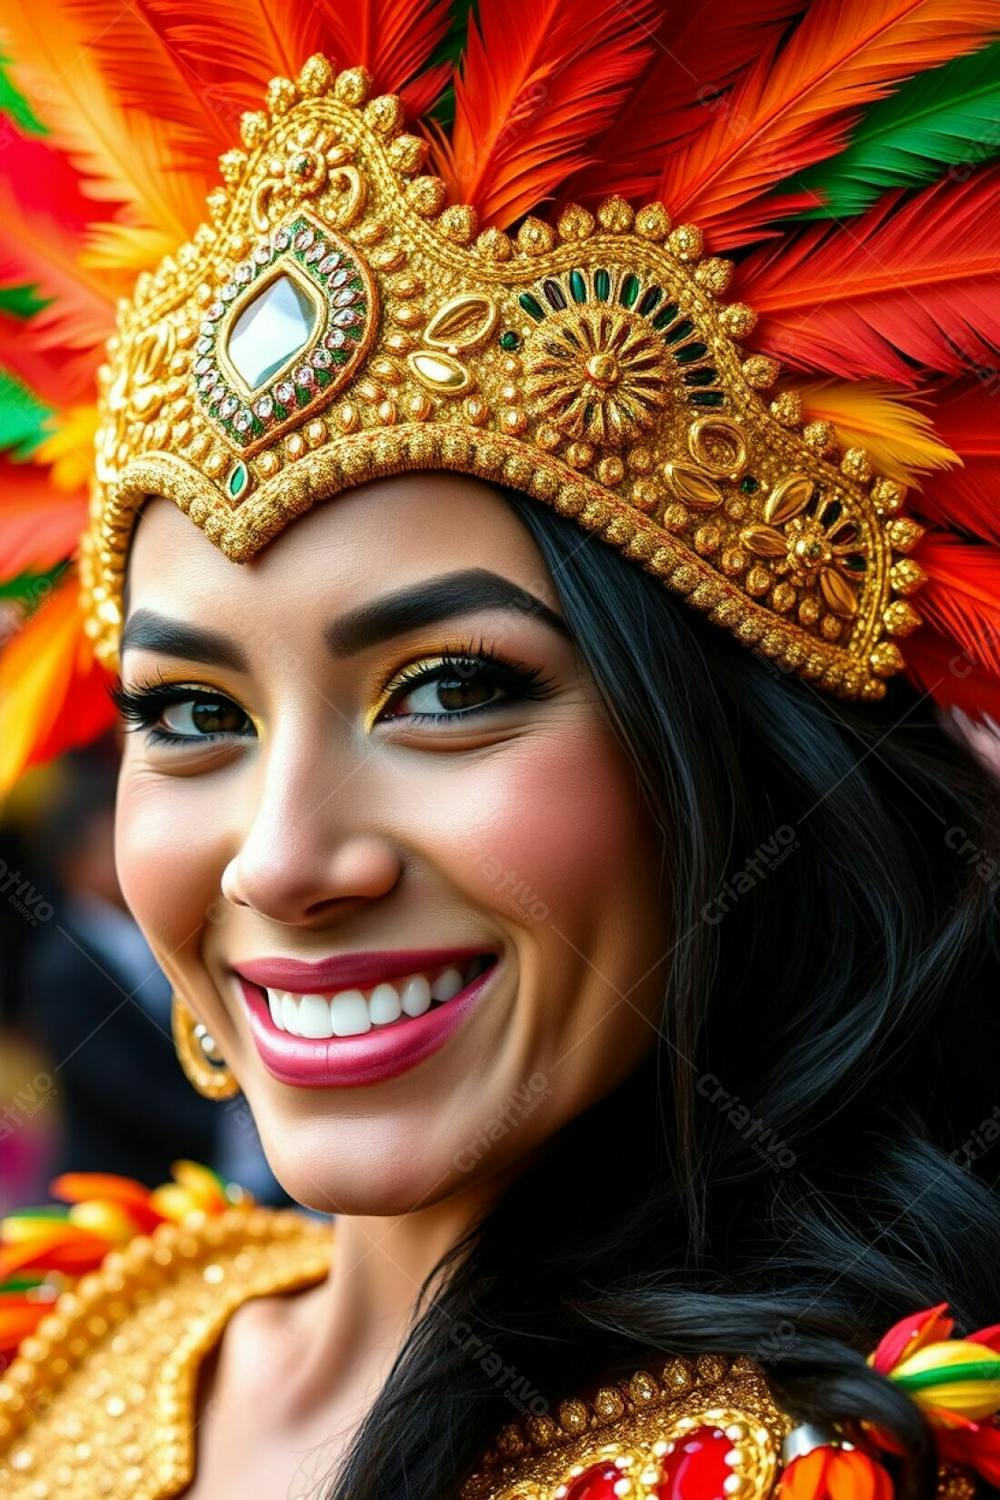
pixel 337 320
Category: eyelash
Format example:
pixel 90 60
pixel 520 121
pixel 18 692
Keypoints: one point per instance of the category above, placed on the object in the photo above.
pixel 142 705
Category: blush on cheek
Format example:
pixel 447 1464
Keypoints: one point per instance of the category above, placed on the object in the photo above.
pixel 164 865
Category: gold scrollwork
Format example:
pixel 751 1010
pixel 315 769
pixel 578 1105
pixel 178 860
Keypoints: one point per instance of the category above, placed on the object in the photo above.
pixel 719 446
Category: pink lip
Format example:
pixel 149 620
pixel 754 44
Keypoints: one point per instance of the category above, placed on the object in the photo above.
pixel 347 1062
pixel 351 970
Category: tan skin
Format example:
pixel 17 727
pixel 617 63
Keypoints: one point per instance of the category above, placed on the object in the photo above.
pixel 326 818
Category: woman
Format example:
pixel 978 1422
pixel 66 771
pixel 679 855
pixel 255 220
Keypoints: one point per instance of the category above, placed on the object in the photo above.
pixel 622 983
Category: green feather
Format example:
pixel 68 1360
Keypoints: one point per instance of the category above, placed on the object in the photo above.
pixel 449 50
pixel 14 105
pixel 23 418
pixel 30 588
pixel 944 117
pixel 21 301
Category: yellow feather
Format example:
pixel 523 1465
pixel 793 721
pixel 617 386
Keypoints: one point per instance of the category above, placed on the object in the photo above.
pixel 69 450
pixel 123 247
pixel 878 416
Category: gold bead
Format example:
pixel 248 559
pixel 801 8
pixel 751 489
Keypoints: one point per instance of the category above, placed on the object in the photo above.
pixel 281 94
pixel 760 372
pixel 384 114
pixel 387 413
pixel 902 533
pixel 686 242
pixel 459 223
pixel 315 75
pixel 295 446
pixel 646 494
pixel 640 460
pixel 900 618
pixel 733 561
pixel 737 319
pixel 353 86
pixel 652 222
pixel 417 406
pixel 494 245
pixel 819 436
pixel 214 461
pixel 426 196
pixel 386 370
pixel 808 611
pixel 348 416
pixel 408 153
pixel 887 496
pixel 907 576
pixel 575 223
pixel 676 516
pixel 315 433
pixel 400 343
pixel 615 215
pixel 856 464
pixel 407 286
pixel 409 315
pixel 787 409
pixel 578 455
pixel 707 539
pixel 611 470
pixel 535 237
pixel 254 126
pixel 548 436
pixel 783 597
pixel 886 659
pixel 267 464
pixel 714 275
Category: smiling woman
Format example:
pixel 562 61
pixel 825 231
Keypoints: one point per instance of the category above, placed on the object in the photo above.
pixel 520 788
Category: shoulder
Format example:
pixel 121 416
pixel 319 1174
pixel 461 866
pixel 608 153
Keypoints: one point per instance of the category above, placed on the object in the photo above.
pixel 100 1383
pixel 682 1428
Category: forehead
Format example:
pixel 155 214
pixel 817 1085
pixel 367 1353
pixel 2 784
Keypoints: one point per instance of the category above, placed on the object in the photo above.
pixel 381 535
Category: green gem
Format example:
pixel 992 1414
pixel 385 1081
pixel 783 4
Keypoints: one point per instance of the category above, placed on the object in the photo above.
pixel 531 306
pixel 680 332
pixel 653 298
pixel 707 398
pixel 602 285
pixel 577 286
pixel 509 339
pixel 666 315
pixel 690 353
pixel 629 290
pixel 239 479
pixel 749 485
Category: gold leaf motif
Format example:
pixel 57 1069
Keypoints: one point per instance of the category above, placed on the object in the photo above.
pixel 837 593
pixel 692 486
pixel 462 323
pixel 788 498
pixel 439 372
pixel 764 540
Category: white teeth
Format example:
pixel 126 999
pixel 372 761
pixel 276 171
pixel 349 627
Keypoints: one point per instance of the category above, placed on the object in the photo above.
pixel 384 1005
pixel 314 1016
pixel 350 1013
pixel 416 996
pixel 447 985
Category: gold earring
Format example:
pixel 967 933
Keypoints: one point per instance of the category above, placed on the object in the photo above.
pixel 198 1053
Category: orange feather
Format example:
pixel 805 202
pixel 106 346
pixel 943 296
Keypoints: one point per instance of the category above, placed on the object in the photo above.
pixel 912 283
pixel 699 50
pixel 39 526
pixel 539 81
pixel 961 597
pixel 875 415
pixel 126 157
pixel 53 694
pixel 235 51
pixel 796 105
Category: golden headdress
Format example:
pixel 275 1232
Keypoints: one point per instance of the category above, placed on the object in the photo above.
pixel 353 306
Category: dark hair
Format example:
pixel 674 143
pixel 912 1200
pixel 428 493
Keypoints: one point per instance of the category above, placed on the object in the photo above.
pixel 800 1166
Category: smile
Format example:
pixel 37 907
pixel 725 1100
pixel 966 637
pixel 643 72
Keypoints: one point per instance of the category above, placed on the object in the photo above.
pixel 377 1026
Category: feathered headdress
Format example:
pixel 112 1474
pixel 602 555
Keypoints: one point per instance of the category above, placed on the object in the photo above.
pixel 844 151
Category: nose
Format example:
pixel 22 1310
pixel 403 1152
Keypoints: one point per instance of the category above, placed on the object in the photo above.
pixel 306 856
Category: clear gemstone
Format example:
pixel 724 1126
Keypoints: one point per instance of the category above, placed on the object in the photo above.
pixel 304 375
pixel 304 238
pixel 322 359
pixel 264 407
pixel 271 330
pixel 316 253
pixel 346 297
pixel 262 253
pixel 204 346
pixel 335 339
pixel 228 406
pixel 281 239
pixel 284 393
pixel 215 311
pixel 202 365
pixel 242 421
pixel 330 263
pixel 208 380
pixel 340 278
pixel 206 330
pixel 346 317
pixel 244 272
pixel 229 291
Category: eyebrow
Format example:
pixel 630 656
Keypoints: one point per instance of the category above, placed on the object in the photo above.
pixel 407 609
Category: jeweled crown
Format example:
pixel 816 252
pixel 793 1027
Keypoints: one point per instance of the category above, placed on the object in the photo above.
pixel 338 320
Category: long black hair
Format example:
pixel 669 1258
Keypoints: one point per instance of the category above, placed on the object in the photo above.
pixel 806 1157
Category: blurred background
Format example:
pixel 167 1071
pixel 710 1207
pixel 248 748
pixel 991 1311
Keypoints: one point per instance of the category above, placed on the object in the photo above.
pixel 89 1080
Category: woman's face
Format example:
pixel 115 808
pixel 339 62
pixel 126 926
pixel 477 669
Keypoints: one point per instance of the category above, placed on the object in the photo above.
pixel 377 753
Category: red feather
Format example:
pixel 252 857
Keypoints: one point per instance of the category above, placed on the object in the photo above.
pixel 912 282
pixel 699 50
pixel 961 597
pixel 965 416
pixel 796 105
pixel 540 80
pixel 39 526
pixel 233 53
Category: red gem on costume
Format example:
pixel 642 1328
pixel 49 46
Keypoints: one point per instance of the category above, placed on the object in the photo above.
pixel 597 1483
pixel 697 1467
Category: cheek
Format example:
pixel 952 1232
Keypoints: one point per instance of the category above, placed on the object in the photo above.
pixel 166 864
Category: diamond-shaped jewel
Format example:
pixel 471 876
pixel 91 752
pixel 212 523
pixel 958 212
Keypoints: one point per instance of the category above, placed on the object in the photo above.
pixel 215 311
pixel 244 272
pixel 204 346
pixel 322 359
pixel 262 253
pixel 346 297
pixel 264 407
pixel 304 375
pixel 315 253
pixel 330 263
pixel 335 339
pixel 208 380
pixel 242 421
pixel 228 406
pixel 271 330
pixel 284 393
pixel 229 291
pixel 346 317
pixel 206 329
pixel 202 365
pixel 304 238
pixel 281 239
pixel 340 278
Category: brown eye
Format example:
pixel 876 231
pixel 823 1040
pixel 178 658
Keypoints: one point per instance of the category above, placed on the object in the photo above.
pixel 193 717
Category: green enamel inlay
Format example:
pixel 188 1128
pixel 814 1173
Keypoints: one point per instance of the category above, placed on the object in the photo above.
pixel 531 306
pixel 855 564
pixel 652 298
pixel 749 485
pixel 680 332
pixel 700 377
pixel 238 480
pixel 690 353
pixel 577 286
pixel 510 340
pixel 707 398
pixel 666 315
pixel 629 290
pixel 602 285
